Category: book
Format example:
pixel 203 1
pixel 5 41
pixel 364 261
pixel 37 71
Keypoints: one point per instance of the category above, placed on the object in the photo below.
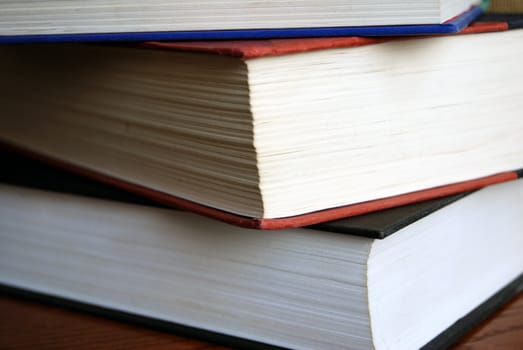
pixel 506 6
pixel 278 133
pixel 423 285
pixel 23 21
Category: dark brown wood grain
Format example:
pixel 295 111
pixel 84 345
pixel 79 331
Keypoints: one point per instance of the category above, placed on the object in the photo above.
pixel 503 330
pixel 26 324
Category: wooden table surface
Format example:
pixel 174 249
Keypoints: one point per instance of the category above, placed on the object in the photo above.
pixel 26 324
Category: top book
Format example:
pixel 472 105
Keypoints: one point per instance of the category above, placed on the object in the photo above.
pixel 290 132
pixel 102 20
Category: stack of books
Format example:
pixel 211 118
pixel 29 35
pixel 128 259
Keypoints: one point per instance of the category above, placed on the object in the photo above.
pixel 342 175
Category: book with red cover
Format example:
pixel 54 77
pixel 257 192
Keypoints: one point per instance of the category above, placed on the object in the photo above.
pixel 252 50
pixel 324 220
pixel 24 171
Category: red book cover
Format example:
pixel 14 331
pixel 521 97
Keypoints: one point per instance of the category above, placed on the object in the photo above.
pixel 251 49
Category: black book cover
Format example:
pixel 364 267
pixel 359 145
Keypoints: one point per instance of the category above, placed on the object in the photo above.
pixel 513 21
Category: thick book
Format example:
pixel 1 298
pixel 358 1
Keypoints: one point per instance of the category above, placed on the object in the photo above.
pixel 275 133
pixel 25 21
pixel 442 269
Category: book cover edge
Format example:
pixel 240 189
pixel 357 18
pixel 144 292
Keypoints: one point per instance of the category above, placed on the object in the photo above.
pixel 301 220
pixel 252 49
pixel 452 26
pixel 481 313
pixel 394 226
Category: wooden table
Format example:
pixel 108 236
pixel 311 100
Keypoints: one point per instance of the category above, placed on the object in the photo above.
pixel 28 324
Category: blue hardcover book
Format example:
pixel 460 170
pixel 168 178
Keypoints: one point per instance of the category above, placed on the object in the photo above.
pixel 21 23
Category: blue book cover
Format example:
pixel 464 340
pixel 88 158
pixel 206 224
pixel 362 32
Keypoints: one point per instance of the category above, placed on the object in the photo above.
pixel 452 26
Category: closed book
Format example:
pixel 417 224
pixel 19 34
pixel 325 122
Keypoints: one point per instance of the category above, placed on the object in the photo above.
pixel 275 133
pixel 28 22
pixel 441 268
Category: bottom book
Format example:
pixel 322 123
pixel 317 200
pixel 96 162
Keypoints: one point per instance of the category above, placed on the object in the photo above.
pixel 423 285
